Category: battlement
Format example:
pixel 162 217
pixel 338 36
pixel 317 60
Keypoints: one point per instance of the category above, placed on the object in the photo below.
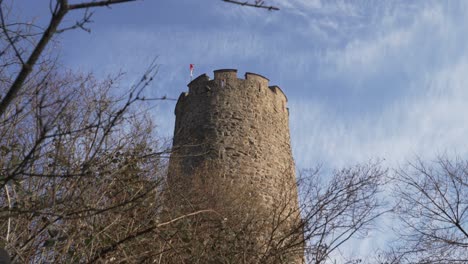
pixel 200 79
pixel 249 76
pixel 227 79
pixel 277 90
pixel 225 74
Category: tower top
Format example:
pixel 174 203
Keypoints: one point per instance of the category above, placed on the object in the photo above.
pixel 228 77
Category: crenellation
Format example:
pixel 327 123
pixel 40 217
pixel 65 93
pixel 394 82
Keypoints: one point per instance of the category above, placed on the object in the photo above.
pixel 277 90
pixel 180 102
pixel 197 85
pixel 225 74
pixel 250 76
pixel 200 79
pixel 253 88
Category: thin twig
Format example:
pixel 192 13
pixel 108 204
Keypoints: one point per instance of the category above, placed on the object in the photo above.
pixel 27 67
pixel 105 3
pixel 257 5
pixel 61 9
pixel 111 248
pixel 9 209
pixel 163 98
pixel 10 40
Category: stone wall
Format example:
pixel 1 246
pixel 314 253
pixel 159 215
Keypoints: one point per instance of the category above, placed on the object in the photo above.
pixel 239 124
pixel 238 129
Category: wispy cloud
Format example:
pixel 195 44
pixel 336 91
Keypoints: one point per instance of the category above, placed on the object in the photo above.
pixel 426 117
pixel 364 78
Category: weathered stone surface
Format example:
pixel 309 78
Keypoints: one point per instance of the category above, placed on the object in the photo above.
pixel 239 128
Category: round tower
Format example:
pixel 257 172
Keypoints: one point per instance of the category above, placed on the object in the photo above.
pixel 236 133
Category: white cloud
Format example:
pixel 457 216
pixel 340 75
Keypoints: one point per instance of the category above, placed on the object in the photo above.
pixel 426 118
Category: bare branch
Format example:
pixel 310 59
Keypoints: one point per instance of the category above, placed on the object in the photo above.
pixel 105 3
pixel 163 98
pixel 114 246
pixel 60 10
pixel 36 53
pixel 432 207
pixel 257 4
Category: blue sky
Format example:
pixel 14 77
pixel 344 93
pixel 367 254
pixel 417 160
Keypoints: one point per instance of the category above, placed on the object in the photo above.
pixel 365 79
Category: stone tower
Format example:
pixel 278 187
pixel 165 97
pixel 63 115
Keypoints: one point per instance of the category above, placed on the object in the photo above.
pixel 233 134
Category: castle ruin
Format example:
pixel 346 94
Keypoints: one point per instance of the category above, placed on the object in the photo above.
pixel 231 141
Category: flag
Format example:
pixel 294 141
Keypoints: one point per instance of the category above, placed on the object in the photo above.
pixel 191 70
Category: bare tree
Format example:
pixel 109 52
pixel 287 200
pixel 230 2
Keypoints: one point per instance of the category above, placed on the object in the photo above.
pixel 242 229
pixel 27 59
pixel 345 207
pixel 432 204
pixel 77 166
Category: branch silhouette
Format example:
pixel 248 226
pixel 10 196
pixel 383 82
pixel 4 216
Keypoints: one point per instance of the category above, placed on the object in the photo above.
pixel 257 4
